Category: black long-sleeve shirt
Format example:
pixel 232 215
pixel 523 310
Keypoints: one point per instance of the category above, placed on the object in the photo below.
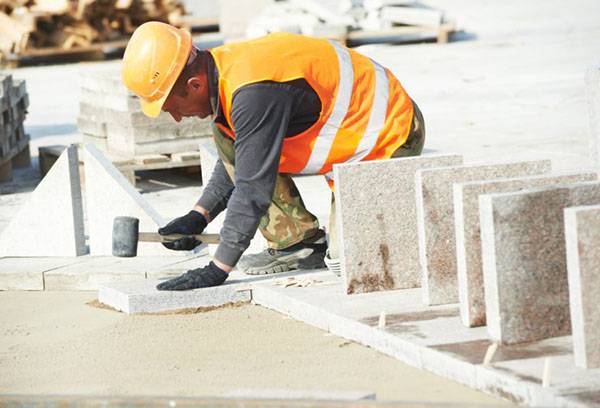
pixel 262 114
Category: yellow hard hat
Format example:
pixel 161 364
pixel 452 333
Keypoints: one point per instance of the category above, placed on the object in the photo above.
pixel 155 56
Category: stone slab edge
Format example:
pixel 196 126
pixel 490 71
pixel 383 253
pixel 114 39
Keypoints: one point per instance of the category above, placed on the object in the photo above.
pixel 171 301
pixel 487 379
pixel 575 219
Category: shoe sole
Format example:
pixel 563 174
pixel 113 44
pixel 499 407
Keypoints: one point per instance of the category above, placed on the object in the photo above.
pixel 289 263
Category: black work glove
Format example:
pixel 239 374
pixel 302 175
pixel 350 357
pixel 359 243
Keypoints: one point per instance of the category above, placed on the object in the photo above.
pixel 191 223
pixel 205 277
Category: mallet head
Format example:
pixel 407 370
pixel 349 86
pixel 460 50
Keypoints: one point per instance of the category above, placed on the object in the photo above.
pixel 125 236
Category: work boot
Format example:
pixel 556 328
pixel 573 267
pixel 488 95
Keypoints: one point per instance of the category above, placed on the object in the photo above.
pixel 303 255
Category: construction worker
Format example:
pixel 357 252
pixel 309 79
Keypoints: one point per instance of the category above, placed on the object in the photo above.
pixel 282 104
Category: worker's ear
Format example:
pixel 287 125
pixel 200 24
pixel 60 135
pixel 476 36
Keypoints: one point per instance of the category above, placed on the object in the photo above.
pixel 194 84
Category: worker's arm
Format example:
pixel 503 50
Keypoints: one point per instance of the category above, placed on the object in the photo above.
pixel 216 193
pixel 260 115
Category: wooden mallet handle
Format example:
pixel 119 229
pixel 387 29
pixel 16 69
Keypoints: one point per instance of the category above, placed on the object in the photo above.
pixel 156 237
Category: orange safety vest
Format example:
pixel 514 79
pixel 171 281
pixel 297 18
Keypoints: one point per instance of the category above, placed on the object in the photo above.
pixel 365 112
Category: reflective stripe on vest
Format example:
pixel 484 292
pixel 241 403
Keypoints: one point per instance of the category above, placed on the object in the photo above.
pixel 377 118
pixel 324 141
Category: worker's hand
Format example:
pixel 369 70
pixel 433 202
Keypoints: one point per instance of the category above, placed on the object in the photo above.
pixel 190 224
pixel 205 277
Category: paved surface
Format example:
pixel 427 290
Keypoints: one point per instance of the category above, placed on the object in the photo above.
pixel 434 339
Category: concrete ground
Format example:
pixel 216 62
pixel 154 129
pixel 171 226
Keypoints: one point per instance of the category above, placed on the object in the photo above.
pixel 54 343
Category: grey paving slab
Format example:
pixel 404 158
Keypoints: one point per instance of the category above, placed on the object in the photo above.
pixel 51 222
pixel 93 271
pixel 468 237
pixel 433 338
pixel 524 260
pixel 592 86
pixel 435 215
pixel 141 296
pixel 19 273
pixel 582 234
pixel 377 221
pixel 284 394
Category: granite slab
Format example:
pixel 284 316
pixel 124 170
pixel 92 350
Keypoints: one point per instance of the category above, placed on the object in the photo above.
pixel 468 236
pixel 524 261
pixel 435 212
pixel 582 233
pixel 377 222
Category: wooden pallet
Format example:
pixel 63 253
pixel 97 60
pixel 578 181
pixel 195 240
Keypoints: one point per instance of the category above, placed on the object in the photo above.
pixel 128 166
pixel 17 156
pixel 403 34
pixel 93 52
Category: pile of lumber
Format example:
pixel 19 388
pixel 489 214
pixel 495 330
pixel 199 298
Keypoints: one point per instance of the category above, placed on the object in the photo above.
pixel 27 25
pixel 14 142
pixel 346 20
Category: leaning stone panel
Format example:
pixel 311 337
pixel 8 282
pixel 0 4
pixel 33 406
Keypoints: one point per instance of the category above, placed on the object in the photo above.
pixel 468 237
pixel 435 212
pixel 377 221
pixel 524 261
pixel 582 233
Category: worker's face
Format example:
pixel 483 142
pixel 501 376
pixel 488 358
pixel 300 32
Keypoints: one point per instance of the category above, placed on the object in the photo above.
pixel 195 102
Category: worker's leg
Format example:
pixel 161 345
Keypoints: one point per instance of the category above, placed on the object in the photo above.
pixel 412 147
pixel 416 137
pixel 287 221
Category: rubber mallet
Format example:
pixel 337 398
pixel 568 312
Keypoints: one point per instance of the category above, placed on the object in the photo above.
pixel 126 235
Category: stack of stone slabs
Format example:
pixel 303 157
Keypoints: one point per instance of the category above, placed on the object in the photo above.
pixel 468 236
pixel 14 143
pixel 110 118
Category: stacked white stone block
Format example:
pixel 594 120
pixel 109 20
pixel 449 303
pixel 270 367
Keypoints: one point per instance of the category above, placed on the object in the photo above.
pixel 110 118
pixel 14 142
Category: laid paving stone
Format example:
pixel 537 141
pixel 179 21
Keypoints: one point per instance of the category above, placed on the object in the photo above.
pixel 109 195
pixel 142 296
pixel 435 215
pixel 20 273
pixel 377 221
pixel 94 271
pixel 51 221
pixel 434 339
pixel 524 261
pixel 582 233
pixel 468 237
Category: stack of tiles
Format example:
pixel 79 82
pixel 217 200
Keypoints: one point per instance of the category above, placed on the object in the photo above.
pixel 110 117
pixel 14 143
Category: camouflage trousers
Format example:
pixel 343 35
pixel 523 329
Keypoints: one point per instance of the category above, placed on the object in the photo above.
pixel 287 221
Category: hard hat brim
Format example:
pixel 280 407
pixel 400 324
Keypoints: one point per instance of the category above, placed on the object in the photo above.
pixel 152 109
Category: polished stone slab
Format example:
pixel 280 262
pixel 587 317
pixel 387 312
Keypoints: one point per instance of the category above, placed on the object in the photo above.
pixel 435 214
pixel 468 236
pixel 524 261
pixel 582 233
pixel 377 221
